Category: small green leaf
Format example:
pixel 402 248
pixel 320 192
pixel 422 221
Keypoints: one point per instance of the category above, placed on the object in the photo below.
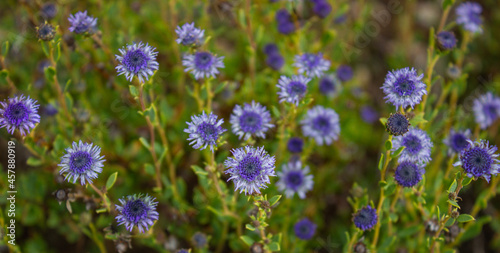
pixel 276 112
pixel 151 112
pixel 466 181
pixel 144 142
pixel 418 119
pixel 34 162
pixel 381 162
pixel 248 241
pixel 69 101
pixel 101 210
pixel 58 51
pixel 398 151
pixel 133 90
pixel 274 246
pixel 453 186
pixel 5 48
pixel 45 48
pixel 150 169
pixel 199 171
pixel 274 200
pixel 383 121
pixel 111 181
pixel 453 203
pixel 449 222
pixel 249 227
pixel 388 145
pixel 382 183
pixel 447 3
pixel 50 73
pixel 465 218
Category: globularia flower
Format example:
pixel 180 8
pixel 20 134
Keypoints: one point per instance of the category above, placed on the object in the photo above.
pixel 408 174
pixel 344 73
pixel 137 210
pixel 19 113
pixel 275 61
pixel 365 218
pixel 469 16
pixel 250 169
pixel 486 109
pixel 251 119
pixel 199 240
pixel 321 8
pixel 322 124
pixel 183 251
pixel 271 48
pixel 202 64
pixel 285 22
pixel 45 31
pixel 329 85
pixel 446 40
pixel 82 23
pixel 295 145
pixel 397 124
pixel 457 141
pixel 82 161
pixel 403 87
pixel 305 229
pixel 313 65
pixel 295 179
pixel 137 60
pixel 479 160
pixel 417 146
pixel 204 130
pixel 293 89
pixel 369 114
pixel 188 35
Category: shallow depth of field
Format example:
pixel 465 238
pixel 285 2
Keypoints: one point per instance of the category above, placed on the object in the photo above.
pixel 350 126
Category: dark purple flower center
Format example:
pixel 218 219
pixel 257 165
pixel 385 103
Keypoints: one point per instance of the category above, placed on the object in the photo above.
pixel 397 124
pixel 490 110
pixel 45 30
pixel 412 143
pixel 407 174
pixel 250 122
pixel 249 167
pixel 459 142
pixel 474 17
pixel 310 60
pixel 80 161
pixel 16 113
pixel 326 85
pixel 296 88
pixel 322 124
pixel 365 218
pixel 189 39
pixel 295 145
pixel 208 132
pixel 404 87
pixel 203 60
pixel 135 60
pixel 476 161
pixel 294 179
pixel 135 210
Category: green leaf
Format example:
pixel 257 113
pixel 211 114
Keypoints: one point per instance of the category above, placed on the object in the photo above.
pixel 398 151
pixel 274 246
pixel 111 181
pixel 50 73
pixel 133 90
pixel 151 112
pixel 69 101
pixel 276 112
pixel 381 162
pixel 145 143
pixel 45 48
pixel 58 51
pixel 453 186
pixel 388 145
pixel 5 48
pixel 447 3
pixel 199 171
pixel 274 200
pixel 453 203
pixel 248 241
pixel 34 162
pixel 383 121
pixel 465 218
pixel 101 210
pixel 449 222
pixel 249 227
pixel 466 181
pixel 150 169
pixel 418 119
pixel 382 183
pixel 3 76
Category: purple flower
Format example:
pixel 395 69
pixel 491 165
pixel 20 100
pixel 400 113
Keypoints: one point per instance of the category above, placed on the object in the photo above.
pixel 305 229
pixel 403 87
pixel 295 179
pixel 138 60
pixel 312 65
pixel 137 210
pixel 329 85
pixel 368 114
pixel 204 130
pixel 446 40
pixel 293 89
pixel 486 109
pixel 48 11
pixel 322 124
pixel 285 22
pixel 250 120
pixel 321 8
pixel 469 16
pixel 188 35
pixel 479 160
pixel 457 141
pixel 365 218
pixel 397 124
pixel 19 113
pixel 408 174
pixel 275 61
pixel 250 169
pixel 82 161
pixel 81 23
pixel 295 145
pixel 203 64
pixel 417 145
pixel 344 73
pixel 271 48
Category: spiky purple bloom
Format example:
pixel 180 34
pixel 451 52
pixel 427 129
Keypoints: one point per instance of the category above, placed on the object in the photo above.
pixel 250 120
pixel 368 114
pixel 417 145
pixel 312 65
pixel 202 64
pixel 344 73
pixel 189 35
pixel 408 174
pixel 321 8
pixel 250 169
pixel 457 141
pixel 82 161
pixel 19 113
pixel 365 218
pixel 295 145
pixel 469 16
pixel 82 23
pixel 138 60
pixel 295 179
pixel 486 109
pixel 329 85
pixel 204 130
pixel 305 229
pixel 137 210
pixel 293 89
pixel 479 160
pixel 275 61
pixel 403 87
pixel 322 124
pixel 397 124
pixel 446 40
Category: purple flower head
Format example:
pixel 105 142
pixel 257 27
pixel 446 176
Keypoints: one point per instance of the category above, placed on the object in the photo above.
pixel 282 15
pixel 204 130
pixel 189 35
pixel 295 145
pixel 408 174
pixel 329 85
pixel 403 87
pixel 19 113
pixel 397 124
pixel 457 141
pixel 305 229
pixel 321 8
pixel 271 48
pixel 137 210
pixel 469 16
pixel 81 23
pixel 48 11
pixel 275 61
pixel 322 124
pixel 250 169
pixel 365 218
pixel 295 179
pixel 417 145
pixel 368 114
pixel 183 251
pixel 45 31
pixel 138 60
pixel 293 89
pixel 199 240
pixel 344 73
pixel 312 65
pixel 202 64
pixel 82 161
pixel 250 120
pixel 285 22
pixel 340 19
pixel 479 160
pixel 446 40
pixel 486 109
pixel 50 110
